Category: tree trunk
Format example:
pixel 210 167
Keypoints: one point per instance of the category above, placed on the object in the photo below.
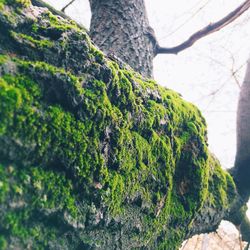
pixel 121 28
pixel 242 161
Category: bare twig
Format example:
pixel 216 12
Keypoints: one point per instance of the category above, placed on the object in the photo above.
pixel 233 71
pixel 67 5
pixel 187 20
pixel 211 28
pixel 214 93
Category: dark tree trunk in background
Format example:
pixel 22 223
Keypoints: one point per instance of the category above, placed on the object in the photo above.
pixel 242 162
pixel 121 28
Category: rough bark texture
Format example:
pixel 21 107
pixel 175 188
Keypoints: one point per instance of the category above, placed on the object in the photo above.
pixel 121 28
pixel 92 155
pixel 242 162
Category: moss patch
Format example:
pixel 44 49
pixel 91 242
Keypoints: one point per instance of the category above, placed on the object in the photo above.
pixel 29 190
pixel 90 150
pixel 32 41
pixel 18 3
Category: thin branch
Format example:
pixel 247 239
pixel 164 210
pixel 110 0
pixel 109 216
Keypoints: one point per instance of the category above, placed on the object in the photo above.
pixel 187 20
pixel 67 5
pixel 234 73
pixel 211 28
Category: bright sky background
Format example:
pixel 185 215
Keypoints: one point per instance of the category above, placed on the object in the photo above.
pixel 207 74
pixel 203 69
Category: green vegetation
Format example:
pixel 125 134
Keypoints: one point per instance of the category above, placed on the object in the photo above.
pixel 30 190
pixel 3 59
pixel 56 24
pixel 18 3
pixel 32 41
pixel 62 24
pixel 171 177
pixel 83 139
pixel 221 187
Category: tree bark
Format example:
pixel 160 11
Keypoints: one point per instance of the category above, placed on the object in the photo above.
pixel 122 28
pixel 242 162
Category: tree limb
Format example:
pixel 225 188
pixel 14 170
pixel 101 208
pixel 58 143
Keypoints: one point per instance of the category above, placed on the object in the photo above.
pixel 211 28
pixel 40 3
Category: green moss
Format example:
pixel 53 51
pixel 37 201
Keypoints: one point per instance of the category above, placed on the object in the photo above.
pixel 62 24
pixel 45 67
pixel 24 3
pixel 221 187
pixel 32 41
pixel 3 59
pixel 41 189
pixel 35 28
pixel 2 2
pixel 96 53
pixel 4 185
pixel 101 138
pixel 46 135
pixel 10 102
pixel 3 243
pixel 18 3
pixel 169 177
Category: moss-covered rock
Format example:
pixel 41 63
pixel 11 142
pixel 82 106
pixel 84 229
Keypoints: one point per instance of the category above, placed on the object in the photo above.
pixel 92 155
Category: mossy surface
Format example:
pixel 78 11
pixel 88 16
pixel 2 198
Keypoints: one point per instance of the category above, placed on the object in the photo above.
pixel 15 3
pixel 33 193
pixel 91 152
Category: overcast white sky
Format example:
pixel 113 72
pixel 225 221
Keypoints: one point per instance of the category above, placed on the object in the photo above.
pixel 215 64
